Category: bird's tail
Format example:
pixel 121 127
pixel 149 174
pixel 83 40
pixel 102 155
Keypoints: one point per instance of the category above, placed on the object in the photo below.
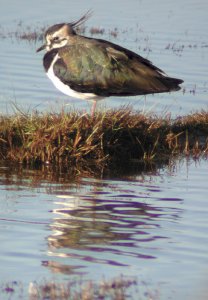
pixel 172 84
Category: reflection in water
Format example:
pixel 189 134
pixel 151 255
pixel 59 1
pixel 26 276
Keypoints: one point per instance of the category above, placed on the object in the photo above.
pixel 104 227
pixel 94 221
pixel 98 221
pixel 139 224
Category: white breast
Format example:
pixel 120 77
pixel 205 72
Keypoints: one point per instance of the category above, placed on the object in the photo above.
pixel 65 88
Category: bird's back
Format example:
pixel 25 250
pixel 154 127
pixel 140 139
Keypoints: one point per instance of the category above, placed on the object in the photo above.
pixel 106 69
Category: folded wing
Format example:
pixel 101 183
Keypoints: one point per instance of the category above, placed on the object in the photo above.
pixel 106 69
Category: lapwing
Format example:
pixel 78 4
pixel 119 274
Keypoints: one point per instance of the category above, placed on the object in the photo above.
pixel 92 69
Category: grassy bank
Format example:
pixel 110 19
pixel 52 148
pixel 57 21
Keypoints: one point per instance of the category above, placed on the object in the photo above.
pixel 111 137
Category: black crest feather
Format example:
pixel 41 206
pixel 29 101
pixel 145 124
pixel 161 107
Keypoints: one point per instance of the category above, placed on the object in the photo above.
pixel 82 20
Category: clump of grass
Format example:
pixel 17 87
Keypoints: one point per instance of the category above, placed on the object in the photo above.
pixel 111 137
pixel 114 32
pixel 191 134
pixel 30 35
pixel 96 30
pixel 115 289
pixel 22 32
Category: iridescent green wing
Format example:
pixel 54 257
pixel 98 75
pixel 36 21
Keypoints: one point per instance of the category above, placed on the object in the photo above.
pixel 103 68
pixel 93 67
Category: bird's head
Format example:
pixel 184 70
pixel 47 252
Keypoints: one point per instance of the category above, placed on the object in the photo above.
pixel 59 35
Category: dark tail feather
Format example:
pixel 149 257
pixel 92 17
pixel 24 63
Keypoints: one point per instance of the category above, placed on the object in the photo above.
pixel 172 84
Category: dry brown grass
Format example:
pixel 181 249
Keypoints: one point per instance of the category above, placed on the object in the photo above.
pixel 111 137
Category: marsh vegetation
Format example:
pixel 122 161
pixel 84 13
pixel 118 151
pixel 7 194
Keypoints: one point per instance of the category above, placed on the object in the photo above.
pixel 110 138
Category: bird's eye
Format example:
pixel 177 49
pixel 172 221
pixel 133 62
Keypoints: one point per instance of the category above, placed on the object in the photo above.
pixel 56 38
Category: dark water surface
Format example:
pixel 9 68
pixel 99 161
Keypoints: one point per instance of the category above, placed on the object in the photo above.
pixel 151 225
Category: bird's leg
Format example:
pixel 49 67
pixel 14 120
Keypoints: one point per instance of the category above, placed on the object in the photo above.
pixel 93 108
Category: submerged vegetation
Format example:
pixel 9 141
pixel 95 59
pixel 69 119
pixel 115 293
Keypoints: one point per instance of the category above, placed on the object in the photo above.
pixel 34 33
pixel 110 138
pixel 116 289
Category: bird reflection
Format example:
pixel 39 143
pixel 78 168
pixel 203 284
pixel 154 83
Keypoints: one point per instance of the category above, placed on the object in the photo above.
pixel 102 227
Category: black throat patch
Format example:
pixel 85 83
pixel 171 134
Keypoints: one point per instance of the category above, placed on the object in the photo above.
pixel 48 58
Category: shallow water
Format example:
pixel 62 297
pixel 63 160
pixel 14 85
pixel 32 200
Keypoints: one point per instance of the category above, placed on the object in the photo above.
pixel 173 35
pixel 151 225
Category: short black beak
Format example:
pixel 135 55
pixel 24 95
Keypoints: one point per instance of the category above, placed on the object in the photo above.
pixel 41 48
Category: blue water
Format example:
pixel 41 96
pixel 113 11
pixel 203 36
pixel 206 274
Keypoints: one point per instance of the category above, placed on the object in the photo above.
pixel 151 225
pixel 171 34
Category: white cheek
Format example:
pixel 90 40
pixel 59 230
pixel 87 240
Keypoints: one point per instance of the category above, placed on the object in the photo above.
pixel 60 44
pixel 56 45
